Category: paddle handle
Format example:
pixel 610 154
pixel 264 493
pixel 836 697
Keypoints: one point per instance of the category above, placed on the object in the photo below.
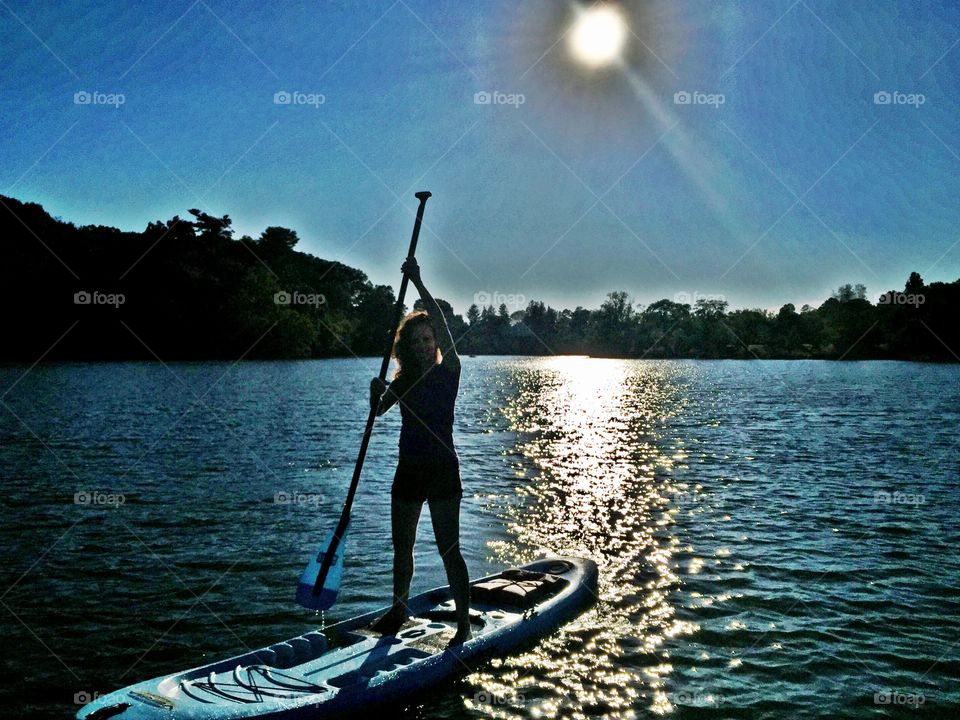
pixel 368 430
pixel 398 308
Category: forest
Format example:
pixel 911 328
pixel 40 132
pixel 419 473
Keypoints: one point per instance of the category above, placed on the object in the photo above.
pixel 186 289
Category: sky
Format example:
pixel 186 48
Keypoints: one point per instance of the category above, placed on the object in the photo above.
pixel 733 150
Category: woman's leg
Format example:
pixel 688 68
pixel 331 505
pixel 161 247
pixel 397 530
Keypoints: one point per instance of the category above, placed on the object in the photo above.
pixel 445 515
pixel 405 514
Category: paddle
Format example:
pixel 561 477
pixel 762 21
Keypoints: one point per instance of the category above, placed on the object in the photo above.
pixel 320 582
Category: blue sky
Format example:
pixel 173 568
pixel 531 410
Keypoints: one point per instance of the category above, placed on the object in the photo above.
pixel 600 180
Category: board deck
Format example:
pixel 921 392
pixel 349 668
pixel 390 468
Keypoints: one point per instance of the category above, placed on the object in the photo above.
pixel 350 666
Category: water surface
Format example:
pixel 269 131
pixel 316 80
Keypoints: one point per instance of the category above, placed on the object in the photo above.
pixel 775 539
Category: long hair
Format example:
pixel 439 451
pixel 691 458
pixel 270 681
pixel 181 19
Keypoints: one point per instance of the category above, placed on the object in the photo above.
pixel 402 350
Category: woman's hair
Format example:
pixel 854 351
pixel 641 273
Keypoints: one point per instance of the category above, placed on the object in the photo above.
pixel 402 350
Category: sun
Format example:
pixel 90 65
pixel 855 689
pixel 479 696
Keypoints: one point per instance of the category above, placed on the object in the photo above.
pixel 597 36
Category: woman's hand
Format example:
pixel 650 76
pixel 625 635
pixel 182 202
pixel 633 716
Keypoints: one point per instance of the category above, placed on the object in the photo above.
pixel 377 388
pixel 411 269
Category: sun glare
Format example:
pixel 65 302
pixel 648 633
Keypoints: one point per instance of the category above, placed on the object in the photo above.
pixel 597 36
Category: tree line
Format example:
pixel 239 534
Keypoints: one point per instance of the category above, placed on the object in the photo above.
pixel 909 324
pixel 185 288
pixel 181 289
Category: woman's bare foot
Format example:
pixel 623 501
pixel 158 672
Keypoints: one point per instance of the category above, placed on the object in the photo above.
pixel 390 621
pixel 463 634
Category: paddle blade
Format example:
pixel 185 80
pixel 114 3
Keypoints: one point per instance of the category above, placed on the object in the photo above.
pixel 327 596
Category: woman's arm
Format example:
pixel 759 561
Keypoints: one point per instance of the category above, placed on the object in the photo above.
pixel 441 331
pixel 381 396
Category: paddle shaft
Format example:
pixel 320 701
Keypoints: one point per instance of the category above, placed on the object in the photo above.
pixel 348 505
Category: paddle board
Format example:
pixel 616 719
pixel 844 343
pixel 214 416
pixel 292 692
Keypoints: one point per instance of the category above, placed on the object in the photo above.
pixel 348 667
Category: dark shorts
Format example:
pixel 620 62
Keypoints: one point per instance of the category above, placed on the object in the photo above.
pixel 426 480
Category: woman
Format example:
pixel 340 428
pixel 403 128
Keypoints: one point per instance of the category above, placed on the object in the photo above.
pixel 425 384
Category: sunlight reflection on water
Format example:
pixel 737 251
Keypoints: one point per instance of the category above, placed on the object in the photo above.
pixel 600 488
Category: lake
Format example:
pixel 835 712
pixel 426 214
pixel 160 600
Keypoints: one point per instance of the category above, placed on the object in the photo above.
pixel 775 538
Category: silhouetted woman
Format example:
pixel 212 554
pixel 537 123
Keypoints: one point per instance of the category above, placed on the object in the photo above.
pixel 425 384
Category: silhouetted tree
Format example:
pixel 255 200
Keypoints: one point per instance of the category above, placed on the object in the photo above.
pixel 914 284
pixel 473 314
pixel 211 227
pixel 278 240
